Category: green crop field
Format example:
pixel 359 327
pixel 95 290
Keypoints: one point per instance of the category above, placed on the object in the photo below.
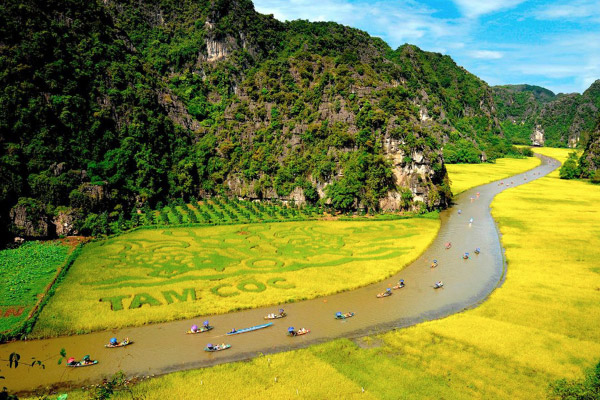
pixel 25 274
pixel 152 275
pixel 541 325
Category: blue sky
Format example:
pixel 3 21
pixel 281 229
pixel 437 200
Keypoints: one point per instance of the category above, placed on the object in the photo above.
pixel 550 43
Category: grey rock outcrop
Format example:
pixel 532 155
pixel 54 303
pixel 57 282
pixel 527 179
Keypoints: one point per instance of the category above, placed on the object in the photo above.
pixel 537 137
pixel 30 220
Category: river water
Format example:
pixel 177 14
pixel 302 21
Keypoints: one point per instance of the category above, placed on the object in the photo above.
pixel 163 348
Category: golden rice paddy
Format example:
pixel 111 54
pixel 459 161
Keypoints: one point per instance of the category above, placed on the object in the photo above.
pixel 154 275
pixel 463 177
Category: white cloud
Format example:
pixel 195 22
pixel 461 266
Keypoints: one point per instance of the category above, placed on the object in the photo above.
pixel 571 10
pixel 397 22
pixel 476 8
pixel 486 54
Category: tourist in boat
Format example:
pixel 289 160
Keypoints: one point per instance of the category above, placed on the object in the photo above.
pixel 477 251
pixel 233 330
pixel 434 264
pixel 71 361
pixel 281 312
pixel 206 324
pixel 388 291
pixel 291 331
pixel 114 341
pixel 401 283
pixel 466 256
pixel 438 284
pixel 448 245
pixel 86 360
pixel 194 329
pixel 210 346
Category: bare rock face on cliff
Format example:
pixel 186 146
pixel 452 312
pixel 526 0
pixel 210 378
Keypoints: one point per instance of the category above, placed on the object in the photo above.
pixel 65 222
pixel 590 159
pixel 29 219
pixel 537 137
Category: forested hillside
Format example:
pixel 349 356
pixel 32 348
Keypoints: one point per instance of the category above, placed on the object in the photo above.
pixel 107 106
pixel 534 114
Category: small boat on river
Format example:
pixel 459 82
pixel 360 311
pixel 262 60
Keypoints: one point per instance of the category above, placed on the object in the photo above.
pixel 86 362
pixel 387 293
pixel 299 332
pixel 210 348
pixel 281 314
pixel 339 315
pixel 114 343
pixel 194 329
pixel 252 328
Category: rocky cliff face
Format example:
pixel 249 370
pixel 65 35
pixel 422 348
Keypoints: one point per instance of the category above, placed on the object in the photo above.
pixel 590 159
pixel 537 137
pixel 532 112
pixel 29 219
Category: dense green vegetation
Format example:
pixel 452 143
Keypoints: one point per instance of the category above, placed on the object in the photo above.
pixel 586 389
pixel 216 211
pixel 106 106
pixel 588 164
pixel 25 274
pixel 565 119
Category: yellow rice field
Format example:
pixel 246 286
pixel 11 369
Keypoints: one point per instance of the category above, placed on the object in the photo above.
pixel 466 176
pixel 541 325
pixel 154 275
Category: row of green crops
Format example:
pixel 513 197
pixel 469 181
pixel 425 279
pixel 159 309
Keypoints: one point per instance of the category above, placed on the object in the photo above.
pixel 25 275
pixel 224 210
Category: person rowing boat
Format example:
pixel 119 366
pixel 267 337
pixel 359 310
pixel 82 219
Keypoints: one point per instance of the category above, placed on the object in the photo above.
pixel 400 284
pixel 388 292
pixel 438 285
pixel 281 314
pixel 115 343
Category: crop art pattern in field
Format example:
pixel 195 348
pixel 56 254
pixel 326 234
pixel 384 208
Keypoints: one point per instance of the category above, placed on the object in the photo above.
pixel 191 254
pixel 163 274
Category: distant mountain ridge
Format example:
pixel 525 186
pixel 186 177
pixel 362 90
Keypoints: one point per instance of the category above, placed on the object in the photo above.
pixel 532 114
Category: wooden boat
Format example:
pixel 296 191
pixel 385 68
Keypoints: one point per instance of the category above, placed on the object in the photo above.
pixel 344 316
pixel 200 330
pixel 299 332
pixel 218 347
pixel 80 364
pixel 276 316
pixel 122 344
pixel 384 294
pixel 252 328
